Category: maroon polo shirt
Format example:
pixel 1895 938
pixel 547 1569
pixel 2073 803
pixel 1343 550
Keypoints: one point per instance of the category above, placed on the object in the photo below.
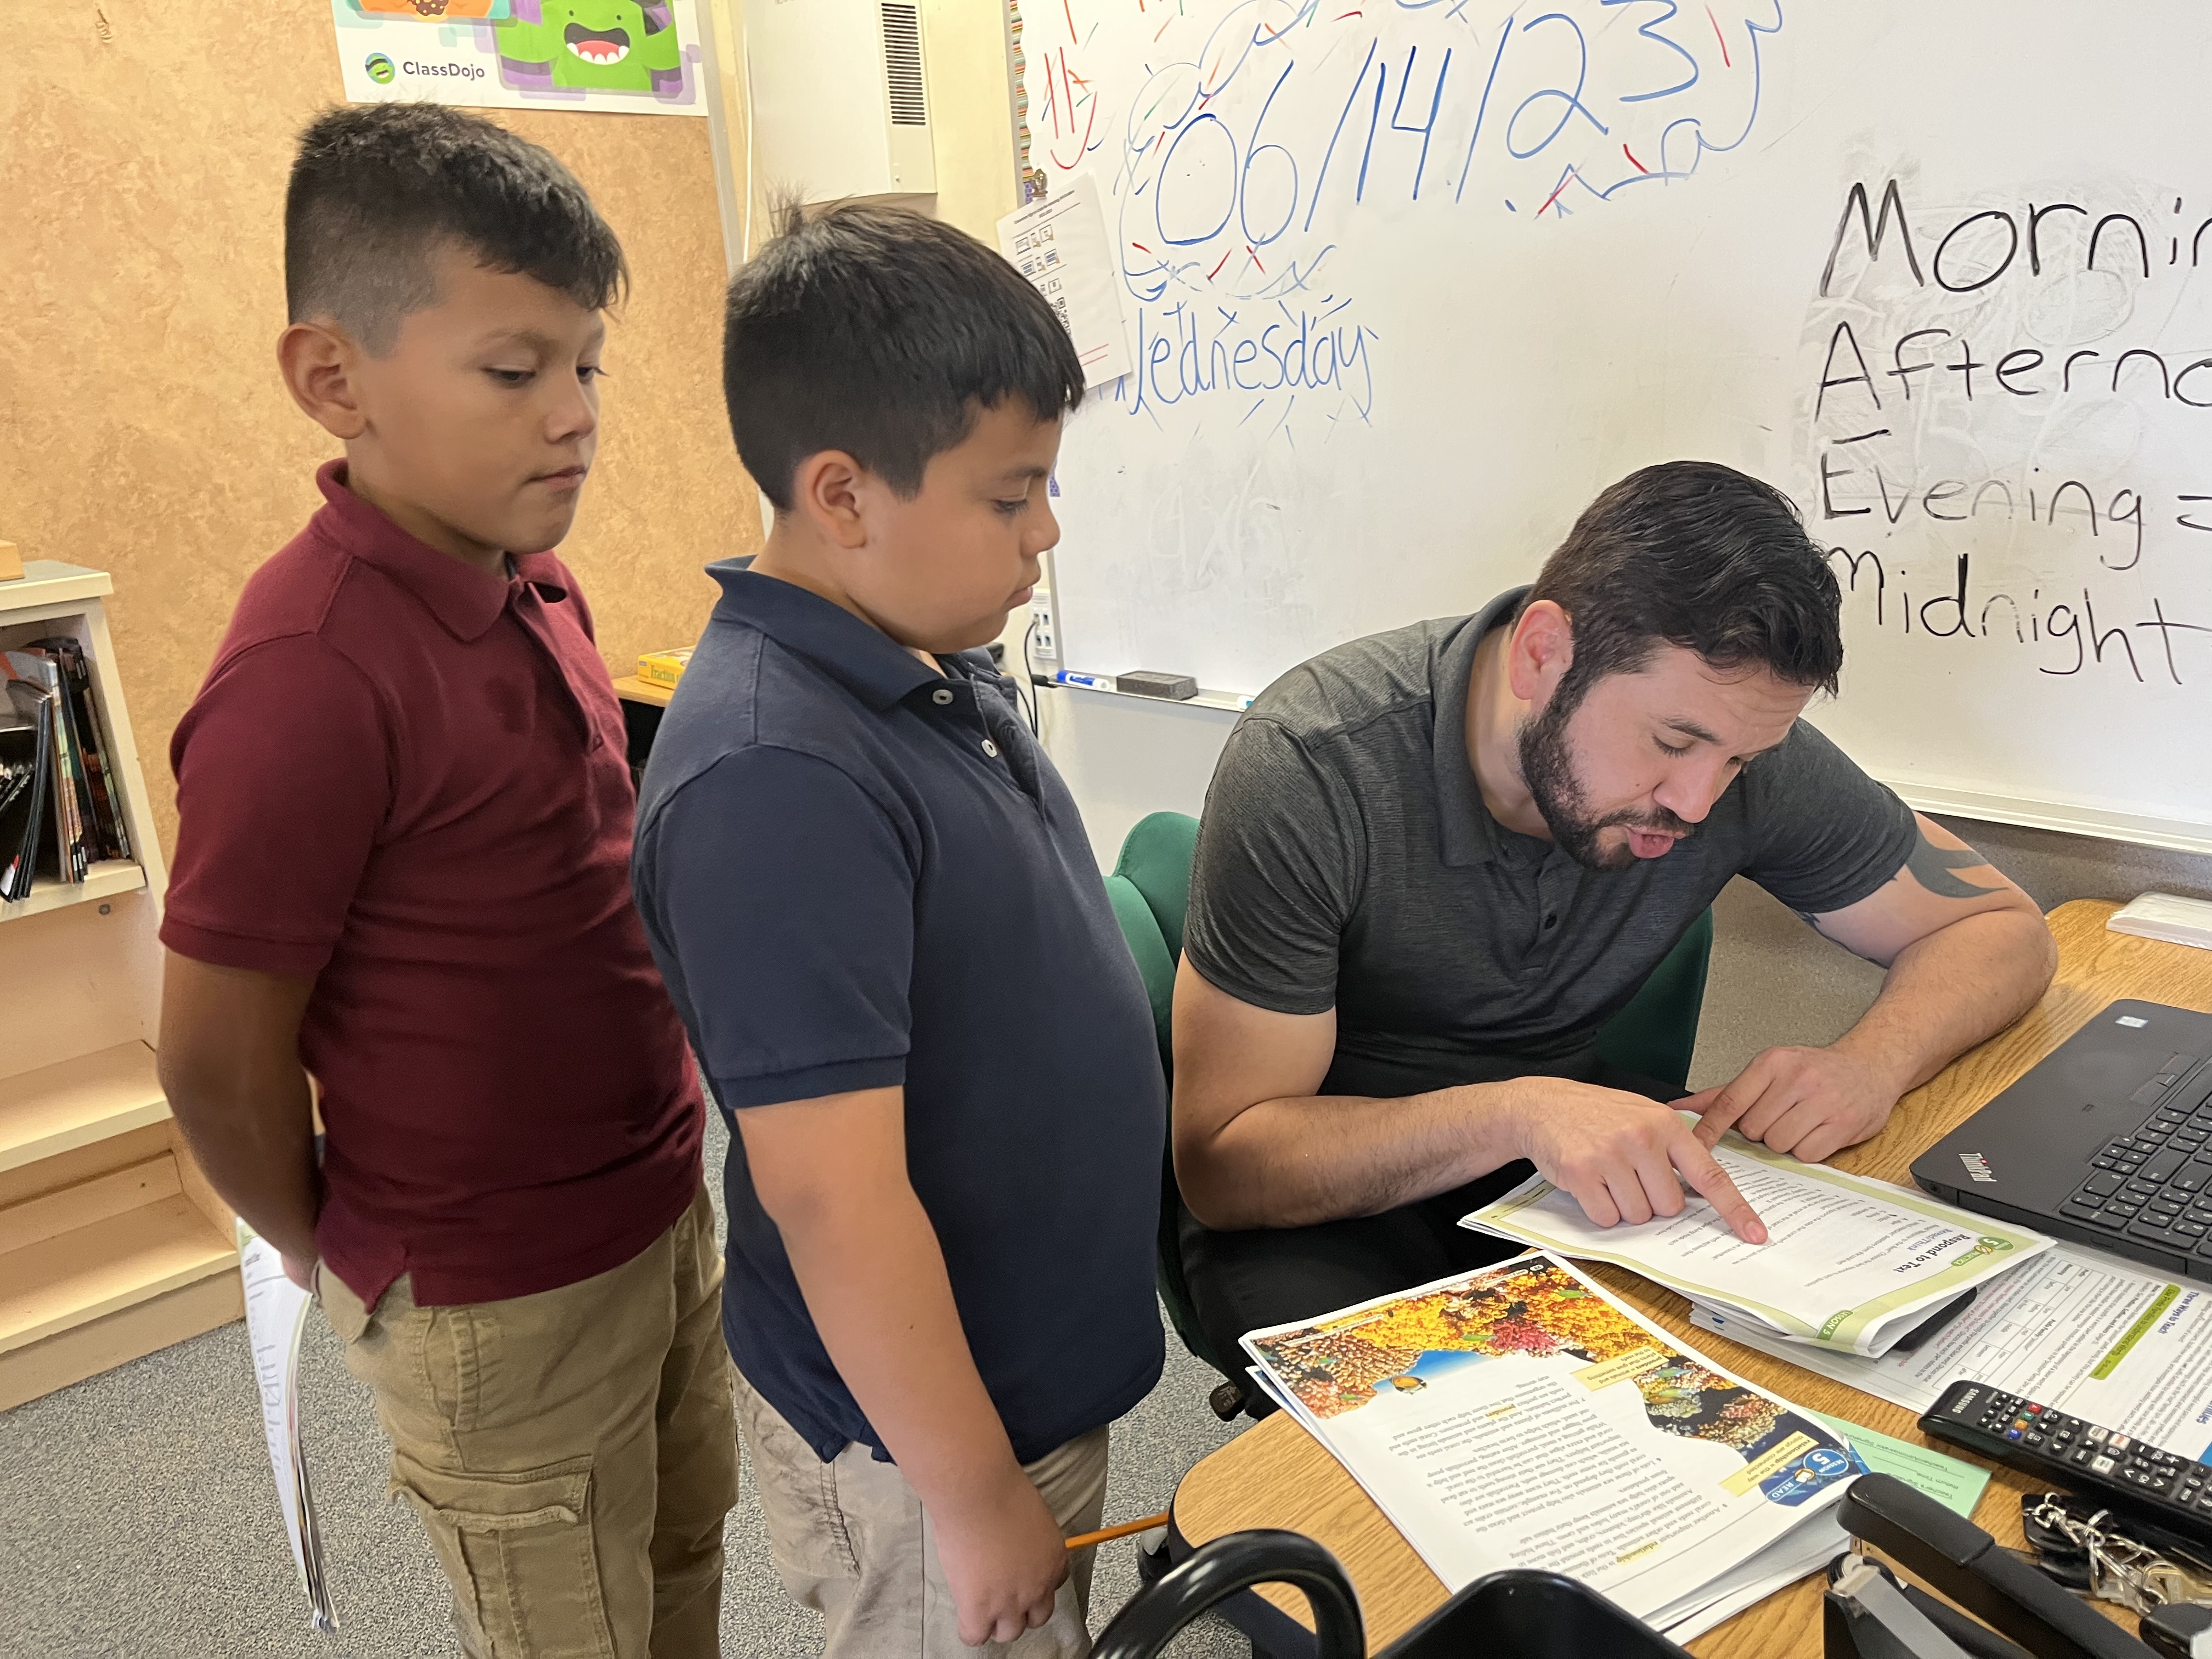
pixel 405 778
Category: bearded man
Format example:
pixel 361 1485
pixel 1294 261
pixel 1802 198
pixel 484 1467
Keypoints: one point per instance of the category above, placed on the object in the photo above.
pixel 1435 861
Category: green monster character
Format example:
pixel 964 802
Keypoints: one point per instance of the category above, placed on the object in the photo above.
pixel 599 45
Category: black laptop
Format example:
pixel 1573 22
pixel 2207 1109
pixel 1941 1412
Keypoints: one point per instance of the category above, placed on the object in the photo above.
pixel 2107 1142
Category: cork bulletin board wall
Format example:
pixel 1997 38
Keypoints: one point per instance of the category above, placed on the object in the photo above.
pixel 143 149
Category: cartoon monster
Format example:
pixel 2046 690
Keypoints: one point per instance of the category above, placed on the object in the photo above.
pixel 600 46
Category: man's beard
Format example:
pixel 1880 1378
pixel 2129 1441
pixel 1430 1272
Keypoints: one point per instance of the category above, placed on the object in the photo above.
pixel 1548 767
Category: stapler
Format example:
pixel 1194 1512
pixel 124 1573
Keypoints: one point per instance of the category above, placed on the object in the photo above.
pixel 1869 1616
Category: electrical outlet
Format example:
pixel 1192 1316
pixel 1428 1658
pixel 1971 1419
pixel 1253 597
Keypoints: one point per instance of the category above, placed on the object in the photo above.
pixel 1044 636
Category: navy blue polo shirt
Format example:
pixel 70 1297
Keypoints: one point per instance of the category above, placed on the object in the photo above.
pixel 859 873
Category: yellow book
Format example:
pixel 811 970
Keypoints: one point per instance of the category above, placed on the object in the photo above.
pixel 663 667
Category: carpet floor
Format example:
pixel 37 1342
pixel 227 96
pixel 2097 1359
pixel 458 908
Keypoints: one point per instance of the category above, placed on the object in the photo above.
pixel 138 1518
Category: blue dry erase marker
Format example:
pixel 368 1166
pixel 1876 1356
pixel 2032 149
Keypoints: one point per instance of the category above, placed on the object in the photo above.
pixel 1094 682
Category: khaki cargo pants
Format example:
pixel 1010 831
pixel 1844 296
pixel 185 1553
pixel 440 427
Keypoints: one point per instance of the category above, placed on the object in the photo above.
pixel 571 1454
pixel 851 1540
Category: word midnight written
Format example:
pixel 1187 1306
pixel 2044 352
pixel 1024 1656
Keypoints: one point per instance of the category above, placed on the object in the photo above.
pixel 2067 639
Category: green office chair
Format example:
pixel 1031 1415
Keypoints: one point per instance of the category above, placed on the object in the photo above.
pixel 1653 1035
pixel 1656 1033
pixel 1151 891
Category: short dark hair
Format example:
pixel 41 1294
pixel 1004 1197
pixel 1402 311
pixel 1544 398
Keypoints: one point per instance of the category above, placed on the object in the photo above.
pixel 881 332
pixel 1700 556
pixel 377 189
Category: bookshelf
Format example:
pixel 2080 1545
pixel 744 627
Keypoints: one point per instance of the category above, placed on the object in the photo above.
pixel 111 1242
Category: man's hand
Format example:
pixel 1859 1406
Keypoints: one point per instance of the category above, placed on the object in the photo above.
pixel 1005 1562
pixel 1967 953
pixel 1618 1155
pixel 1811 1103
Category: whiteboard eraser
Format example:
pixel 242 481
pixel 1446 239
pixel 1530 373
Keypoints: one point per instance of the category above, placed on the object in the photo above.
pixel 1147 683
pixel 2163 917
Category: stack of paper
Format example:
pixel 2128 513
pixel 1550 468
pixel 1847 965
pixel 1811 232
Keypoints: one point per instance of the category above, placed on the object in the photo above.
pixel 1519 1417
pixel 2161 915
pixel 1848 1263
pixel 276 1317
pixel 2099 1337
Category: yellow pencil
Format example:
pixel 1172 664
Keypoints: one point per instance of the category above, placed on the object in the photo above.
pixel 1084 1540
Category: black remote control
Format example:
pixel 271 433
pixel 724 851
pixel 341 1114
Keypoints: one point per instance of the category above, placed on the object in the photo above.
pixel 2102 1464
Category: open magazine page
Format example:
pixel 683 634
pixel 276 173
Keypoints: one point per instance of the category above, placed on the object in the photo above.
pixel 1518 1416
pixel 1848 1263
pixel 2092 1336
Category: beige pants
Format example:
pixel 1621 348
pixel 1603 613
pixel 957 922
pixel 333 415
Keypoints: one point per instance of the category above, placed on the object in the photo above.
pixel 851 1540
pixel 570 1454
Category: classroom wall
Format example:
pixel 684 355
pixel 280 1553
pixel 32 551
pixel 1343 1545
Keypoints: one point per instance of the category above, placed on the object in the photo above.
pixel 143 427
pixel 964 55
pixel 965 67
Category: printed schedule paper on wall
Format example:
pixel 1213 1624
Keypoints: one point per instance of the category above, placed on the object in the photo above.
pixel 1059 245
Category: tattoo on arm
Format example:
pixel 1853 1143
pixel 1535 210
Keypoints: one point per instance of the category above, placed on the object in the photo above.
pixel 1931 866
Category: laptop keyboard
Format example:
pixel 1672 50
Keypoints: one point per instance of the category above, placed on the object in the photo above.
pixel 2155 1185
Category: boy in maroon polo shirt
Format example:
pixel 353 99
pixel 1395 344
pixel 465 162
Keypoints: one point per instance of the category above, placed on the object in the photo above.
pixel 403 865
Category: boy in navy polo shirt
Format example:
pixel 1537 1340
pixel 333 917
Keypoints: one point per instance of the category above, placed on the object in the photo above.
pixel 874 904
pixel 403 862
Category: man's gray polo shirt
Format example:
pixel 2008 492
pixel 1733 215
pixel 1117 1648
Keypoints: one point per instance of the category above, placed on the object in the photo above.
pixel 1347 860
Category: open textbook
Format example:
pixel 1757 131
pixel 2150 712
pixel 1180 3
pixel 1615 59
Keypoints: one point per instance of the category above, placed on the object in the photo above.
pixel 1519 1417
pixel 2090 1335
pixel 1848 1263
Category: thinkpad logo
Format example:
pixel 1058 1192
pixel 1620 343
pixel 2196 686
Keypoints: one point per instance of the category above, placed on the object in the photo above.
pixel 1978 1166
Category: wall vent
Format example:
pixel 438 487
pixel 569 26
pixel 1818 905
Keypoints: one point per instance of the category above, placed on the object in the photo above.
pixel 902 65
pixel 818 126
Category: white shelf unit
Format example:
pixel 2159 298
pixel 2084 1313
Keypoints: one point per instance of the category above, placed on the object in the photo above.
pixel 111 1242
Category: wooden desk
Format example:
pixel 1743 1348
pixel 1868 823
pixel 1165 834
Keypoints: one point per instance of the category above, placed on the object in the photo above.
pixel 1275 1474
pixel 630 688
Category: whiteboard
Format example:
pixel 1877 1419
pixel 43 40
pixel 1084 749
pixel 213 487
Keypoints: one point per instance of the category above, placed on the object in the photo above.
pixel 1406 284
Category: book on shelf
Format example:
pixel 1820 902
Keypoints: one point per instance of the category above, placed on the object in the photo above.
pixel 59 808
pixel 27 726
pixel 101 799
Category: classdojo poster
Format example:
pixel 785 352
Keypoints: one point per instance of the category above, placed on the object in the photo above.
pixel 632 57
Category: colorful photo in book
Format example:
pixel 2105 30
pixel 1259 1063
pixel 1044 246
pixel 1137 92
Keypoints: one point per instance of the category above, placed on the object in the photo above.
pixel 1535 1308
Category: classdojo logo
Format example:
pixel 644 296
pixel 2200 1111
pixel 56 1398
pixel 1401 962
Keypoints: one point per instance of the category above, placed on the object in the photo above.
pixel 380 68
